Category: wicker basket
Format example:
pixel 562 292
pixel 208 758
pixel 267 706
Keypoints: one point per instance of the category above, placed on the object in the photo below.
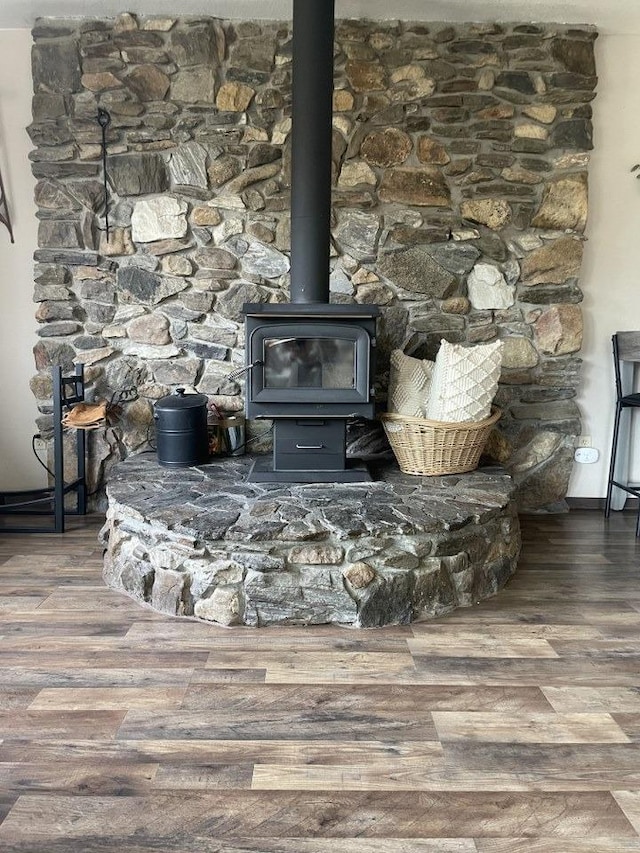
pixel 431 448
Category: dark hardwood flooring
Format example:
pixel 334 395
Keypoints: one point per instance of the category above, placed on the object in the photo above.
pixel 509 727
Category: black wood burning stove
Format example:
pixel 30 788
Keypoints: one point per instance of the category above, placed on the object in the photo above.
pixel 310 370
pixel 310 364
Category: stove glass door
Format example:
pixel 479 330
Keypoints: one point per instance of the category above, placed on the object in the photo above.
pixel 309 362
pixel 310 368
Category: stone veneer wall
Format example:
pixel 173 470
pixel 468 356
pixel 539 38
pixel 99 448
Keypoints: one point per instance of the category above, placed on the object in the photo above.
pixel 460 201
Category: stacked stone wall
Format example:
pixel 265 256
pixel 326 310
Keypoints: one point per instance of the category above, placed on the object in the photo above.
pixel 460 159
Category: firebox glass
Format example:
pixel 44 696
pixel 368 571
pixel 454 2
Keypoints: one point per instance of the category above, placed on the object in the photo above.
pixel 308 362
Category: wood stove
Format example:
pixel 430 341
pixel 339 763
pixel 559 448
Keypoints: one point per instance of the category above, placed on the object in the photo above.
pixel 310 369
pixel 310 363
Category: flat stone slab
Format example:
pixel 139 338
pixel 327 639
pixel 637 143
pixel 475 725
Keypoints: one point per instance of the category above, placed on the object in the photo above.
pixel 204 542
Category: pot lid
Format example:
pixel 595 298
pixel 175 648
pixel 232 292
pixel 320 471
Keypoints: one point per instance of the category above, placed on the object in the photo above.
pixel 182 400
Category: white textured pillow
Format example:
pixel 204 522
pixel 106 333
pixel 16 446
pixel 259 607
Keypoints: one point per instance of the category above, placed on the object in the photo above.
pixel 409 381
pixel 464 382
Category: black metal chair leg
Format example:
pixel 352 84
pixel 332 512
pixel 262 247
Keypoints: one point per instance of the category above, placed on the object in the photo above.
pixel 58 452
pixel 82 474
pixel 612 464
pixel 81 451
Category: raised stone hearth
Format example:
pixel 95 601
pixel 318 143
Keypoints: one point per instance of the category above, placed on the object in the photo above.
pixel 203 542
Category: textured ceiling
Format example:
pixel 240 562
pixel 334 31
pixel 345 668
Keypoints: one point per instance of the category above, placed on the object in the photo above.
pixel 609 16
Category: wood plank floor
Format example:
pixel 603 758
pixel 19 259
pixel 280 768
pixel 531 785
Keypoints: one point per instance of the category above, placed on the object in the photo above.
pixel 509 727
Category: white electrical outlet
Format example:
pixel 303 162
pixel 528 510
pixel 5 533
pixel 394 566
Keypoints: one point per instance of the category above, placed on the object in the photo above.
pixel 40 444
pixel 586 455
pixel 583 441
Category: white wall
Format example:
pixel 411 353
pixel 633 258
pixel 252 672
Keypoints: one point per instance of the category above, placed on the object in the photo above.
pixel 610 278
pixel 18 468
pixel 611 273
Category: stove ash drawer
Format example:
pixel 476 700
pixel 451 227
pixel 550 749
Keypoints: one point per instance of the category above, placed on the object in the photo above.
pixel 313 445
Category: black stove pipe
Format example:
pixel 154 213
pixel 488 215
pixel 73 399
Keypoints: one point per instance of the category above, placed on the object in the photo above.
pixel 313 29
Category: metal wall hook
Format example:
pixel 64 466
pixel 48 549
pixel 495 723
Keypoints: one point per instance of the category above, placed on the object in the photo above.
pixel 104 120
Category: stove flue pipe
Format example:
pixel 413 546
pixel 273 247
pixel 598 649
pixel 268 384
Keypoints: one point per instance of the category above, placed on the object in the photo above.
pixel 313 29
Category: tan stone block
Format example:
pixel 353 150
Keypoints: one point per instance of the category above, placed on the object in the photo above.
pixel 386 148
pixel 546 113
pixel 162 25
pixel 553 263
pixel 119 242
pixel 234 97
pixel 101 81
pixel 255 134
pixel 486 80
pixel 539 84
pixel 498 447
pixel 206 215
pixel 158 218
pixel 572 159
pixel 559 329
pixel 354 173
pixel 317 555
pixel 91 356
pixel 281 131
pixel 501 111
pixel 252 176
pixel 364 276
pixel 194 85
pixel 167 591
pixel 343 124
pixel 564 204
pixel 541 446
pixel 432 151
pixel 374 294
pixel 530 131
pixel 41 386
pixel 125 22
pixel 114 332
pixel 413 90
pixel 148 82
pixel 150 329
pixel 176 265
pixel 139 413
pixel 518 353
pixel 381 41
pixel 456 305
pixel 90 151
pixel 359 575
pixel 225 606
pixel 494 213
pixel 407 72
pixel 518 175
pixel 424 187
pixel 366 76
pixel 343 101
pixel 223 170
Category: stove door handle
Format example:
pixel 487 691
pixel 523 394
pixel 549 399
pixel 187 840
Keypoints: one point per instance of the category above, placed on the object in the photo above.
pixel 310 446
pixel 236 374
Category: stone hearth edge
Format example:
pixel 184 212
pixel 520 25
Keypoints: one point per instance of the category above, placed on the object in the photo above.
pixel 203 542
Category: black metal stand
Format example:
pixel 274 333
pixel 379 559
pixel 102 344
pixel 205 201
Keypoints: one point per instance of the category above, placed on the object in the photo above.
pixel 49 502
pixel 626 349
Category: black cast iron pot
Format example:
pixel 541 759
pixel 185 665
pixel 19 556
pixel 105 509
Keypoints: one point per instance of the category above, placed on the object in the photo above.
pixel 181 429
